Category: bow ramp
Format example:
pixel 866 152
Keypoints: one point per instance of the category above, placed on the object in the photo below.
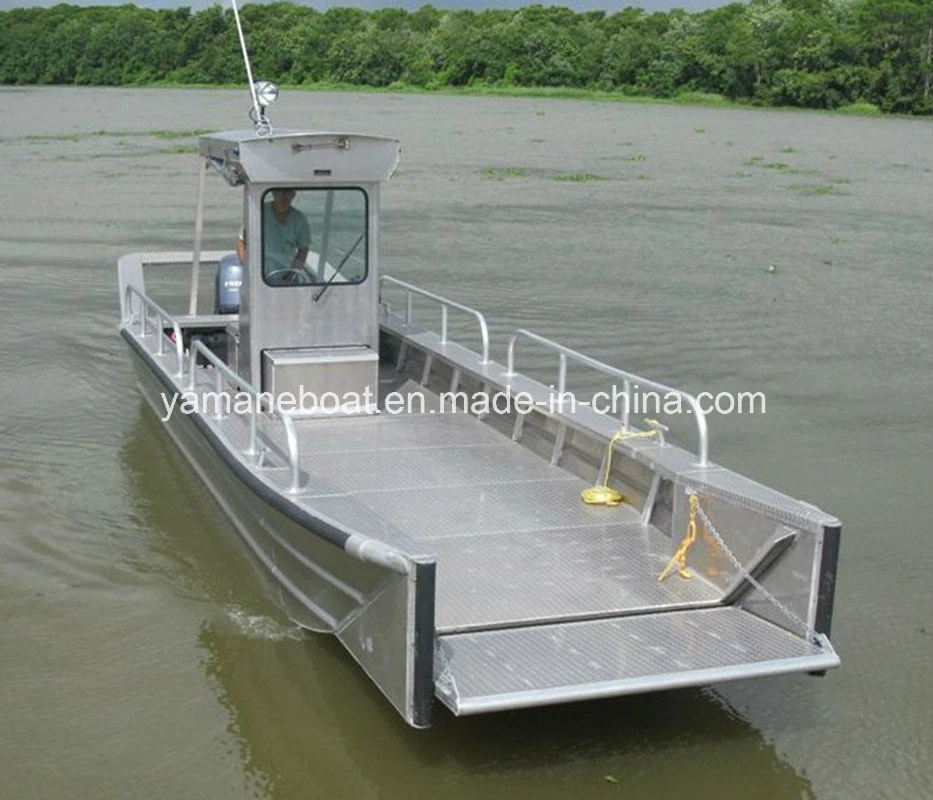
pixel 551 615
pixel 568 661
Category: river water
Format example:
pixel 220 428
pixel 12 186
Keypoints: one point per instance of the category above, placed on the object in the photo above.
pixel 713 249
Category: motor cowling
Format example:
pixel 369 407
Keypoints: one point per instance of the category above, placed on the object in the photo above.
pixel 227 285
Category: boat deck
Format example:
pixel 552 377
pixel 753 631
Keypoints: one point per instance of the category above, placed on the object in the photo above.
pixel 515 545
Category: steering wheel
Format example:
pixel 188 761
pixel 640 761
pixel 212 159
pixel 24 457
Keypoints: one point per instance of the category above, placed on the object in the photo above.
pixel 289 276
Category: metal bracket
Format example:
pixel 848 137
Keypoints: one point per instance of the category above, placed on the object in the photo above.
pixel 558 450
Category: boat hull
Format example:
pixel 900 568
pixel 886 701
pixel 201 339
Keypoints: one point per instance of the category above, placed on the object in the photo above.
pixel 384 617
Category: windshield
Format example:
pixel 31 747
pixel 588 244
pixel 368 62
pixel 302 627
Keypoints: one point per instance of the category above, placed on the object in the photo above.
pixel 314 236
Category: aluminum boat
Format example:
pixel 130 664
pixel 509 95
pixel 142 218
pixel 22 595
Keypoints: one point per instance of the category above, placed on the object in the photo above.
pixel 451 552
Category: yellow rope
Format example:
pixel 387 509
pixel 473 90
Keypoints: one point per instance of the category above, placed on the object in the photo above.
pixel 601 494
pixel 679 559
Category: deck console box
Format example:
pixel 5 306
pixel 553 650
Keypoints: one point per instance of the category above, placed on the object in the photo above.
pixel 323 380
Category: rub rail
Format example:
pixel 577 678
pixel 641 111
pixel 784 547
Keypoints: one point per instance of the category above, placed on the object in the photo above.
pixel 628 378
pixel 445 304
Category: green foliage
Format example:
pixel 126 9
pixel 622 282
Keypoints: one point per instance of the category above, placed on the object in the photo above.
pixel 578 177
pixel 850 55
pixel 501 173
pixel 861 109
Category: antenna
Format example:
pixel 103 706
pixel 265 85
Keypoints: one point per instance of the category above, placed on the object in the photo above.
pixel 262 93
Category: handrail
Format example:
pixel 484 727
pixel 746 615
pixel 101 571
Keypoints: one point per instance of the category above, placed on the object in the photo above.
pixel 627 379
pixel 223 371
pixel 445 303
pixel 163 316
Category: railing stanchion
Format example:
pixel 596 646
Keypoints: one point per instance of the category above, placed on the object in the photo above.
pixel 291 440
pixel 218 388
pixel 251 449
pixel 561 380
pixel 510 356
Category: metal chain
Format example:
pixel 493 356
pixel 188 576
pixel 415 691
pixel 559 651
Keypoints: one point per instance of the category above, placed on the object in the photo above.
pixel 748 576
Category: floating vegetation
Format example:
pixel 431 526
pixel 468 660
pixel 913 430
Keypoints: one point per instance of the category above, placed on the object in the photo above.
pixel 180 148
pixel 779 166
pixel 578 177
pixel 743 173
pixel 156 134
pixel 818 190
pixel 63 137
pixel 699 130
pixel 75 137
pixel 501 173
pixel 635 158
pixel 788 150
pixel 176 134
pixel 822 190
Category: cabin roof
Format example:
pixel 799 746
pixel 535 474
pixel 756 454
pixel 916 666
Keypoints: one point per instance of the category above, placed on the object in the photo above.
pixel 300 157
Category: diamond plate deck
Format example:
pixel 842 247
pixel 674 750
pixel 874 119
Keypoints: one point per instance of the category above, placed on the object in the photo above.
pixel 515 544
pixel 442 467
pixel 496 670
pixel 392 432
pixel 495 580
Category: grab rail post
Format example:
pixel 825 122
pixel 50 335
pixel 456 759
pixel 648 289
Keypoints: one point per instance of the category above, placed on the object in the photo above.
pixel 561 380
pixel 291 440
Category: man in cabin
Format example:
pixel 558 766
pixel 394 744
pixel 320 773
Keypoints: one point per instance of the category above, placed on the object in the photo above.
pixel 286 239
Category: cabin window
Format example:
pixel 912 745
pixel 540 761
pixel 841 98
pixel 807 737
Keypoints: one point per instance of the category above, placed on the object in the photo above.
pixel 314 236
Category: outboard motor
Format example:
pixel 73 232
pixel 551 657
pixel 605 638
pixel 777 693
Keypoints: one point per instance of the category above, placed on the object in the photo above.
pixel 227 285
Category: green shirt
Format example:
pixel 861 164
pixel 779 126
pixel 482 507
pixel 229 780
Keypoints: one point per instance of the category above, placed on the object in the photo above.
pixel 281 243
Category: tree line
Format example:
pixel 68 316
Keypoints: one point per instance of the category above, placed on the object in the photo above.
pixel 810 53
